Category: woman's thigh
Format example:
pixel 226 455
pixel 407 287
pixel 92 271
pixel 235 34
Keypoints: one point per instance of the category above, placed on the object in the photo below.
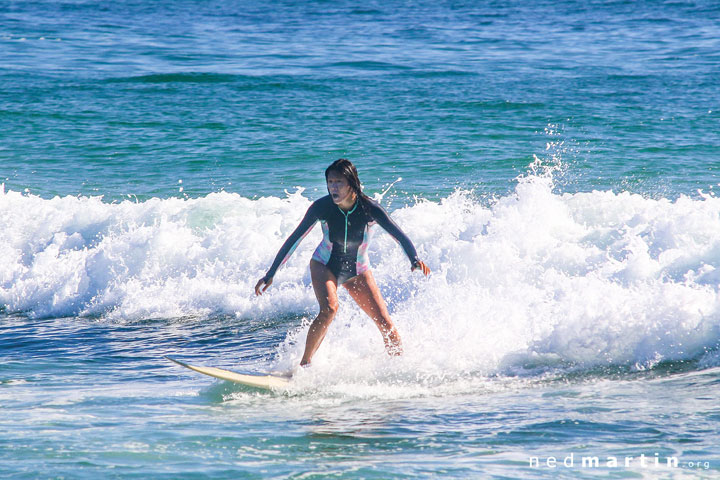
pixel 366 294
pixel 325 286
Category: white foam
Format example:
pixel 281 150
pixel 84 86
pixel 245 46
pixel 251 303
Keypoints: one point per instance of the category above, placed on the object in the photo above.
pixel 528 280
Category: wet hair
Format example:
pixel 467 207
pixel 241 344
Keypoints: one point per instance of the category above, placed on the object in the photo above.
pixel 345 167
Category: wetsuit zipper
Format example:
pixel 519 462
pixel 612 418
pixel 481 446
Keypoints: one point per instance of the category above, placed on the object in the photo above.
pixel 346 224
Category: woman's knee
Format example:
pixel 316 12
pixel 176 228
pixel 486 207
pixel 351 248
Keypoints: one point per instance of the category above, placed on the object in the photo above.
pixel 330 309
pixel 384 322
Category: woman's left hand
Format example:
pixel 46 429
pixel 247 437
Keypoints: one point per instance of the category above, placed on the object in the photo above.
pixel 423 268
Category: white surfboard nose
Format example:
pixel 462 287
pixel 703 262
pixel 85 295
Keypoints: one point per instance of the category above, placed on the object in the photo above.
pixel 257 380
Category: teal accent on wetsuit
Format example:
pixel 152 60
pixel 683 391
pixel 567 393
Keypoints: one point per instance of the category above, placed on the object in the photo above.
pixel 346 214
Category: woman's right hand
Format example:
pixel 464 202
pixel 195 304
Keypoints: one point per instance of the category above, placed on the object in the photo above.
pixel 263 280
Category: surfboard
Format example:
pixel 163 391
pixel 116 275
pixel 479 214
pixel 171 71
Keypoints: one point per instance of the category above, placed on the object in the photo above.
pixel 261 380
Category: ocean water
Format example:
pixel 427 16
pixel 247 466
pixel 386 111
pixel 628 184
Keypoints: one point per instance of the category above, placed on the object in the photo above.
pixel 555 164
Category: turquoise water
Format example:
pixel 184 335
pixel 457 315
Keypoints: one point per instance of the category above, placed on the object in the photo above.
pixel 130 98
pixel 558 165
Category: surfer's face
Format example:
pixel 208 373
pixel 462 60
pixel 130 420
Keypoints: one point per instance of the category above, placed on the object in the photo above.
pixel 339 188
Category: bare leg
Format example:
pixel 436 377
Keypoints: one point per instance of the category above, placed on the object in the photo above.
pixel 366 294
pixel 325 286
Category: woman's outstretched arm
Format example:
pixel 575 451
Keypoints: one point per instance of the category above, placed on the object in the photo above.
pixel 383 219
pixel 287 249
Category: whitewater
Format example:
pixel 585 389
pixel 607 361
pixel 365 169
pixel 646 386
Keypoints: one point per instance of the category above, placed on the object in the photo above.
pixel 522 284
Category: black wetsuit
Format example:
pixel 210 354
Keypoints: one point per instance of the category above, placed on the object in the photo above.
pixel 345 237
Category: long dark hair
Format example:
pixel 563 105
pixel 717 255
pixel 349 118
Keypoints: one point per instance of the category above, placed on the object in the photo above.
pixel 345 167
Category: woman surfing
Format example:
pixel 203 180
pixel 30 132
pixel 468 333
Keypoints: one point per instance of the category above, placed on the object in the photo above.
pixel 346 215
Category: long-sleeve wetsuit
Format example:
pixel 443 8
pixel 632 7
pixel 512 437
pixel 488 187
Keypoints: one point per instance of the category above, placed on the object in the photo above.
pixel 343 248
